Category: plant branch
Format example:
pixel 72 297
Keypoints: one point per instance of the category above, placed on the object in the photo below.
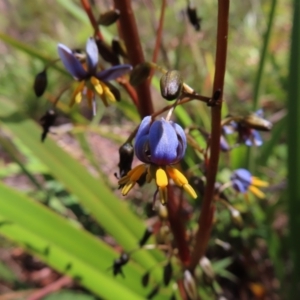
pixel 87 7
pixel 207 209
pixel 135 53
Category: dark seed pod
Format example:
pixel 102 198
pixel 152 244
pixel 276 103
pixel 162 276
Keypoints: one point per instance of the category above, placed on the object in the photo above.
pixel 153 293
pixel 47 120
pixel 256 122
pixel 126 154
pixel 171 85
pixel 40 83
pixel 140 73
pixel 107 53
pixel 148 232
pixel 168 273
pixel 109 17
pixel 119 47
pixel 193 17
pixel 145 279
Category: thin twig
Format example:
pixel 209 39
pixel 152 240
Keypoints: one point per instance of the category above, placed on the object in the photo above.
pixel 87 7
pixel 207 209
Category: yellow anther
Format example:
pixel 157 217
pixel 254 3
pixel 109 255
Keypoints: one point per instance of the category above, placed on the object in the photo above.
pixel 107 93
pixel 161 178
pixel 258 193
pixel 77 96
pixel 97 86
pixel 128 186
pixel 190 190
pixel 258 182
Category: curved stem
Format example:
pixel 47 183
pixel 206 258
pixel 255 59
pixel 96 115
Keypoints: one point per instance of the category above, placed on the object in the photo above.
pixel 207 210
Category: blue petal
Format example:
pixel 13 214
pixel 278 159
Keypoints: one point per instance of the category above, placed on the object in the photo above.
pixel 239 186
pixel 254 139
pixel 242 175
pixel 181 140
pixel 141 149
pixel 91 55
pixel 71 63
pixel 260 113
pixel 143 128
pixel 230 128
pixel 163 143
pixel 224 146
pixel 113 72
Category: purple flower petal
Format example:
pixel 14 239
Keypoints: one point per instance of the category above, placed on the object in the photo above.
pixel 71 63
pixel 230 128
pixel 163 143
pixel 181 140
pixel 243 176
pixel 91 55
pixel 253 139
pixel 113 72
pixel 141 148
pixel 239 186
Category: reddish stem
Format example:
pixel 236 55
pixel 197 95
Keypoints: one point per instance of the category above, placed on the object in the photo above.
pixel 135 53
pixel 207 209
pixel 177 226
pixel 158 35
pixel 87 7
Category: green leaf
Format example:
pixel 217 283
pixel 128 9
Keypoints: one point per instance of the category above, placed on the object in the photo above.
pixel 66 248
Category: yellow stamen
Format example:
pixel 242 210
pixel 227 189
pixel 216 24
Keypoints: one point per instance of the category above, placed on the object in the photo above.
pixel 131 178
pixel 181 181
pixel 163 195
pixel 258 193
pixel 107 93
pixel 97 85
pixel 258 182
pixel 77 96
pixel 162 182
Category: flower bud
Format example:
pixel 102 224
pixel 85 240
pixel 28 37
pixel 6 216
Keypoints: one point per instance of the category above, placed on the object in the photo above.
pixel 153 293
pixel 109 17
pixel 47 120
pixel 140 73
pixel 145 279
pixel 126 157
pixel 148 232
pixel 254 121
pixel 107 53
pixel 40 83
pixel 168 273
pixel 190 285
pixel 207 268
pixel 171 85
pixel 119 47
pixel 193 17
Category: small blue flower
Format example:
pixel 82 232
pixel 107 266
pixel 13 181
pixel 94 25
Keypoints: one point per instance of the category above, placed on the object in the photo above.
pixel 87 73
pixel 243 181
pixel 161 142
pixel 158 145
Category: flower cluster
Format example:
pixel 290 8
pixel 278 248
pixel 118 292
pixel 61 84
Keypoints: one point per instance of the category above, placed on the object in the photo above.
pixel 159 145
pixel 90 80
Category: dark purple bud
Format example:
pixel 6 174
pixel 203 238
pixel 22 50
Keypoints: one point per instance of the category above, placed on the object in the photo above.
pixel 118 46
pixel 145 279
pixel 148 232
pixel 47 120
pixel 168 273
pixel 140 73
pixel 107 53
pixel 153 293
pixel 171 85
pixel 126 157
pixel 40 83
pixel 109 17
pixel 193 17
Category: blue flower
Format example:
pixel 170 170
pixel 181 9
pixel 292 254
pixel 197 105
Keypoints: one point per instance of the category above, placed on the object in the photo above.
pixel 242 181
pixel 87 73
pixel 158 145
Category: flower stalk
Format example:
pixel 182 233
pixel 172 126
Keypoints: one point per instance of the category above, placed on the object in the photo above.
pixel 206 216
